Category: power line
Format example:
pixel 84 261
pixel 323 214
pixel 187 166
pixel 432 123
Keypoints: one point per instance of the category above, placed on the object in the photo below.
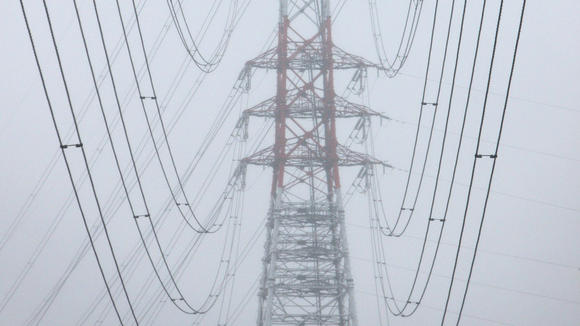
pixel 515 196
pixel 483 284
pixel 518 98
pixel 62 146
pixel 25 208
pixel 68 203
pixel 47 302
pixel 135 215
pixel 153 312
pixel 195 161
pixel 369 293
pixel 440 220
pixel 475 160
pixel 423 106
pixel 160 38
pixel 505 145
pixel 490 252
pixel 86 163
pixel 211 63
pixel 501 125
pixel 392 67
pixel 209 302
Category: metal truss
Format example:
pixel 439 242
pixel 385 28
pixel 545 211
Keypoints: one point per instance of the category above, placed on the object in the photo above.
pixel 302 106
pixel 304 153
pixel 306 277
pixel 304 55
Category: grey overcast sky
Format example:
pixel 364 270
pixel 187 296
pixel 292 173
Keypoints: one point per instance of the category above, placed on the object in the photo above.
pixel 528 266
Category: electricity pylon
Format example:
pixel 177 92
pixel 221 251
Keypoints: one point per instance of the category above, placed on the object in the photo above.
pixel 306 276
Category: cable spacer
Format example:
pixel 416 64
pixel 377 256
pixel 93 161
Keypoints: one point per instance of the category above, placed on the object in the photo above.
pixel 138 216
pixel 429 103
pixel 494 156
pixel 148 97
pixel 71 145
pixel 437 219
pixel 407 209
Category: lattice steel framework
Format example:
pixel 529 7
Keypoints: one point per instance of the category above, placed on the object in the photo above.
pixel 306 276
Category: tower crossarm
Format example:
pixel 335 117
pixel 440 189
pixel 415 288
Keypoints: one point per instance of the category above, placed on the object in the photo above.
pixel 303 153
pixel 307 55
pixel 304 106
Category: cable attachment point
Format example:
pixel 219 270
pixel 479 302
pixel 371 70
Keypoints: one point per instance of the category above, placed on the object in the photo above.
pixel 148 97
pixel 494 156
pixel 72 145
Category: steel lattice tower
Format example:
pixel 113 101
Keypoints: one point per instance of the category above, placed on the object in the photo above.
pixel 306 276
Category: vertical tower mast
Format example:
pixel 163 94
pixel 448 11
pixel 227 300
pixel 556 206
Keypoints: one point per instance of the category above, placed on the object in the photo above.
pixel 306 277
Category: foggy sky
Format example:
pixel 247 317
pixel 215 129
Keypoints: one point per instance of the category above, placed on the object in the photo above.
pixel 528 266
